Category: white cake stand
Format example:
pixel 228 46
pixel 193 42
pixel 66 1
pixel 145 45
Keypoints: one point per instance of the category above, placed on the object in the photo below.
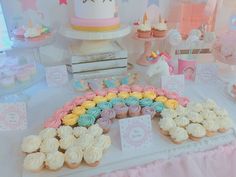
pixel 95 42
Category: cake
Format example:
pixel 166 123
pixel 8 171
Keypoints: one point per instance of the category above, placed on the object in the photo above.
pixel 95 15
pixel 160 29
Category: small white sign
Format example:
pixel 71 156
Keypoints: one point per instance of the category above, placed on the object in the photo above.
pixel 13 116
pixel 206 73
pixel 56 76
pixel 136 133
pixel 174 83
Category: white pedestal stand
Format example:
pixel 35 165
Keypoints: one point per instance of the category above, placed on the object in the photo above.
pixel 95 42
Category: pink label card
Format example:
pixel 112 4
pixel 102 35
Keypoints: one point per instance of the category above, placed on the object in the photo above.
pixel 13 116
pixel 136 133
pixel 174 83
pixel 56 76
pixel 206 73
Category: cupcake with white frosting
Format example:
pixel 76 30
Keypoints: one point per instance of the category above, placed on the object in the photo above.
pixel 85 141
pixel 103 142
pixel 55 160
pixel 196 107
pixel 67 141
pixel 225 123
pixel 73 157
pixel 31 144
pixel 181 111
pixel 169 113
pixel 48 133
pixel 95 130
pixel 160 29
pixel 178 135
pixel 211 127
pixel 210 104
pixel 166 124
pixel 79 131
pixel 34 162
pixel 92 156
pixel 49 145
pixel 144 29
pixel 208 114
pixel 64 131
pixel 196 131
pixel 181 121
pixel 195 117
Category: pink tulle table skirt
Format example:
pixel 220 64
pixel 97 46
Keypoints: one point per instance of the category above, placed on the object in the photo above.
pixel 220 162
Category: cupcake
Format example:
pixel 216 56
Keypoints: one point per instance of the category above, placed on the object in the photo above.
pixel 49 145
pixel 31 144
pixel 196 107
pixel 110 96
pixel 116 101
pixel 225 123
pixel 138 95
pixel 158 107
pixel 79 110
pixel 178 135
pixel 88 104
pixel 208 114
pixel 99 99
pixel 162 99
pixel 144 30
pixel 134 110
pixel 131 101
pixel 160 29
pixel 95 130
pixel 70 120
pixel 195 117
pixel 181 121
pixel 105 105
pixel 92 156
pixel 123 95
pixel 181 111
pixel 211 127
pixel 169 113
pixel 166 124
pixel 86 120
pixel 145 102
pixel 136 88
pixel 108 114
pixel 64 131
pixel 34 162
pixel 105 124
pixel 85 141
pixel 96 111
pixel 149 94
pixel 54 160
pixel 196 131
pixel 103 142
pixel 210 104
pixel 48 133
pixel 79 131
pixel 148 111
pixel 121 111
pixel 90 95
pixel 171 104
pixel 67 141
pixel 73 157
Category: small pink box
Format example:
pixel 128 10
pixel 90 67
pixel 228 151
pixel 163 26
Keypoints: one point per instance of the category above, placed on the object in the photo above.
pixel 187 68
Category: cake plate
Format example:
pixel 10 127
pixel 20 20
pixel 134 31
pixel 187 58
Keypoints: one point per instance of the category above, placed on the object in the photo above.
pixel 95 42
pixel 147 49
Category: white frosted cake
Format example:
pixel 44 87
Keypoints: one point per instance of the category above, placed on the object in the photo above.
pixel 95 15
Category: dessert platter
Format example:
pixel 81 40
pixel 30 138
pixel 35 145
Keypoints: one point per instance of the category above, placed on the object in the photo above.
pixel 84 133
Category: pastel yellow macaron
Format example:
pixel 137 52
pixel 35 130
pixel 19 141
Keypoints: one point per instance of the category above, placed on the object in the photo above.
pixel 88 104
pixel 99 99
pixel 70 119
pixel 79 110
pixel 149 94
pixel 172 104
pixel 123 95
pixel 138 95
pixel 110 96
pixel 162 99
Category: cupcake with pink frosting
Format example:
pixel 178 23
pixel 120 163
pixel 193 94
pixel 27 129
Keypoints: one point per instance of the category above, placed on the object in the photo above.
pixel 136 88
pixel 183 101
pixel 160 92
pixel 52 123
pixel 172 95
pixel 105 124
pixel 134 110
pixel 148 111
pixel 101 92
pixel 149 88
pixel 113 90
pixel 78 101
pixel 90 95
pixel 108 114
pixel 68 107
pixel 121 111
pixel 124 88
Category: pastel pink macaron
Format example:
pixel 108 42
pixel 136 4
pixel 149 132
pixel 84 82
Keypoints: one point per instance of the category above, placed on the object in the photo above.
pixel 79 100
pixel 149 88
pixel 172 95
pixel 52 123
pixel 160 92
pixel 101 92
pixel 136 88
pixel 113 90
pixel 124 88
pixel 90 95
pixel 183 101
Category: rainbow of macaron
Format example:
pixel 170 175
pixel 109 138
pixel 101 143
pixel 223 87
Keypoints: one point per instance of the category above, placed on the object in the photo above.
pixel 84 110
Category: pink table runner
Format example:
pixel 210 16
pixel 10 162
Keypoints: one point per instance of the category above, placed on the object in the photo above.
pixel 220 162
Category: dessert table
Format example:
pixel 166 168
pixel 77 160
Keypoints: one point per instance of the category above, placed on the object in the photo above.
pixel 206 158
